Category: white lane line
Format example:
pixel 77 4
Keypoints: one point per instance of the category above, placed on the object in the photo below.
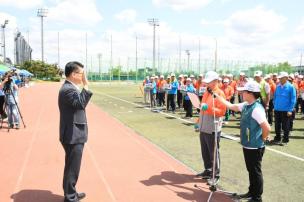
pixel 29 150
pixel 100 173
pixel 187 121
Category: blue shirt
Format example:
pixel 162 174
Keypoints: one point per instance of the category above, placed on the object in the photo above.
pixel 153 90
pixel 190 89
pixel 174 87
pixel 284 97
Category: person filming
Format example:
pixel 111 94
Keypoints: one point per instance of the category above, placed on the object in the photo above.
pixel 10 91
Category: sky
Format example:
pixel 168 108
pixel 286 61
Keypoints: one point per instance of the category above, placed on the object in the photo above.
pixel 267 31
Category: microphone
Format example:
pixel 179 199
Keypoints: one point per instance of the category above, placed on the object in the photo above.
pixel 211 92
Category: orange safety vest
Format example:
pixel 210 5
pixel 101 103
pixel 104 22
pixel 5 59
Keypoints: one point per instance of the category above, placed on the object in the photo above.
pixel 228 91
pixel 219 108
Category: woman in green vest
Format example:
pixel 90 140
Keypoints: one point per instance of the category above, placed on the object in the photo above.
pixel 254 132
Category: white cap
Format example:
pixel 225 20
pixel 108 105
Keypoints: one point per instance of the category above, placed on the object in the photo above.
pixel 192 76
pixel 185 75
pixel 242 74
pixel 211 76
pixel 251 86
pixel 172 74
pixel 152 77
pixel 168 77
pixel 275 74
pixel 180 76
pixel 291 76
pixel 300 76
pixel 155 77
pixel 201 75
pixel 258 73
pixel 282 74
pixel 220 79
pixel 296 73
pixel 267 76
pixel 161 76
pixel 230 75
pixel 188 79
pixel 226 80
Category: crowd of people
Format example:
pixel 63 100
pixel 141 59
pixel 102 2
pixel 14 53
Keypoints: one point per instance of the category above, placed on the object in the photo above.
pixel 261 101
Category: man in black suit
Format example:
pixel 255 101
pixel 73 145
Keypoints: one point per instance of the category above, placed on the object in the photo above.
pixel 72 102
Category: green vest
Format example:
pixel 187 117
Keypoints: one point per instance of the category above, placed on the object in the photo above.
pixel 251 131
pixel 263 90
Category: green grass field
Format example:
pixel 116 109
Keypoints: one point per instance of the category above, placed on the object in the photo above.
pixel 283 176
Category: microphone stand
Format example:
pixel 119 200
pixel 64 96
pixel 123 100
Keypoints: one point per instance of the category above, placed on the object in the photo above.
pixel 213 185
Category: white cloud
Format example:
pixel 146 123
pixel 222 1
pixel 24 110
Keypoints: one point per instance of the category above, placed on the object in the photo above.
pixel 75 12
pixel 21 4
pixel 254 25
pixel 180 5
pixel 128 15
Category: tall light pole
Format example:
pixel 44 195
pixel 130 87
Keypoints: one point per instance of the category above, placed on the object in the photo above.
pixel 42 12
pixel 199 56
pixel 58 51
pixel 111 60
pixel 215 55
pixel 99 65
pixel 136 59
pixel 3 42
pixel 180 54
pixel 188 64
pixel 154 22
pixel 86 51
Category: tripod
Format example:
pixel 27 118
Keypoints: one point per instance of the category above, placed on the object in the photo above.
pixel 8 91
pixel 213 184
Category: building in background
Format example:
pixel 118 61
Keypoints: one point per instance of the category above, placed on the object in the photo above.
pixel 23 51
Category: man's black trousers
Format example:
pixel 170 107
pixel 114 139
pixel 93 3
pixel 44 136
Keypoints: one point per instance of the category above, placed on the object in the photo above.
pixel 282 121
pixel 188 108
pixel 253 160
pixel 73 156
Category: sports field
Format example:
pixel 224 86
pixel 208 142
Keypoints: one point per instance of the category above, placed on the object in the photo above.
pixel 283 166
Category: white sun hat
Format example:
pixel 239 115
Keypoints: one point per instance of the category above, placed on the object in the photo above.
pixel 251 86
pixel 211 76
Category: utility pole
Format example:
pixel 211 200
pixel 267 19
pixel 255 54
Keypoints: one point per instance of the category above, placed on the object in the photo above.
pixel 58 56
pixel 215 55
pixel 111 60
pixel 42 13
pixel 188 63
pixel 136 60
pixel 99 65
pixel 86 51
pixel 154 22
pixel 3 42
pixel 199 56
pixel 180 54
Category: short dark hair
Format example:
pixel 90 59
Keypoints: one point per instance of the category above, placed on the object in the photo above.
pixel 256 95
pixel 71 67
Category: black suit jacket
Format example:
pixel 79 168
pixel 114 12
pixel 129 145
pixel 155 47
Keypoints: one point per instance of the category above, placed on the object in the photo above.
pixel 73 120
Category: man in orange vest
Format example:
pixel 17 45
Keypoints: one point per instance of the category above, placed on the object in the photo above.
pixel 272 86
pixel 229 93
pixel 210 124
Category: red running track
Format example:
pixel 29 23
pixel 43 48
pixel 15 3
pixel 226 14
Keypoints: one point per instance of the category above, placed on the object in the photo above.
pixel 118 164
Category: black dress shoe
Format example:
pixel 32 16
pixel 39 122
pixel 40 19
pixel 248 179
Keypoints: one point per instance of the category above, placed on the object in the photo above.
pixel 81 195
pixel 245 196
